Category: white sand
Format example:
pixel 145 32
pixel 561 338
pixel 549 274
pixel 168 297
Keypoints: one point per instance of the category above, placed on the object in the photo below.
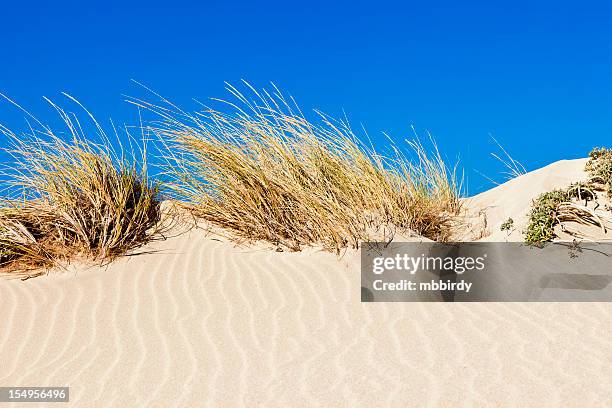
pixel 206 323
pixel 513 199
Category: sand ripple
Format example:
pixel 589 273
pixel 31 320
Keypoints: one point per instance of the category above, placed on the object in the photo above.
pixel 206 323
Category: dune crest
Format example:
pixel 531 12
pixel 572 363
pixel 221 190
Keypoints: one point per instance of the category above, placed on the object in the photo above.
pixel 486 211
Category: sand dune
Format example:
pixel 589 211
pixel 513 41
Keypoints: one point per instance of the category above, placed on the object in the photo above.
pixel 487 211
pixel 200 321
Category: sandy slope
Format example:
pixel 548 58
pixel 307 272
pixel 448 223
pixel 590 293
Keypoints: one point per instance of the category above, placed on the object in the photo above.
pixel 488 210
pixel 202 322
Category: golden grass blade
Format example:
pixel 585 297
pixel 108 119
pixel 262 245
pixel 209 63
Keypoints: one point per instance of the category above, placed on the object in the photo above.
pixel 262 170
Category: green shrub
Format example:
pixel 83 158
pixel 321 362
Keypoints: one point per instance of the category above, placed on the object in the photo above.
pixel 599 167
pixel 507 225
pixel 543 216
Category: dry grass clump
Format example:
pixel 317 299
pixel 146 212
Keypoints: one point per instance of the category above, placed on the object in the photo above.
pixel 265 172
pixel 23 233
pixel 76 198
pixel 582 214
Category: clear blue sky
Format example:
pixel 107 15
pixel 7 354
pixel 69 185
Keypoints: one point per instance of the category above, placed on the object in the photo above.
pixel 536 75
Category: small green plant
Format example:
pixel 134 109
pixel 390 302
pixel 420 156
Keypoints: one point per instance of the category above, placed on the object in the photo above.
pixel 543 216
pixel 507 225
pixel 599 168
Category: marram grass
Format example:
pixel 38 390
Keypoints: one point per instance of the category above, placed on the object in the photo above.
pixel 70 197
pixel 265 172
